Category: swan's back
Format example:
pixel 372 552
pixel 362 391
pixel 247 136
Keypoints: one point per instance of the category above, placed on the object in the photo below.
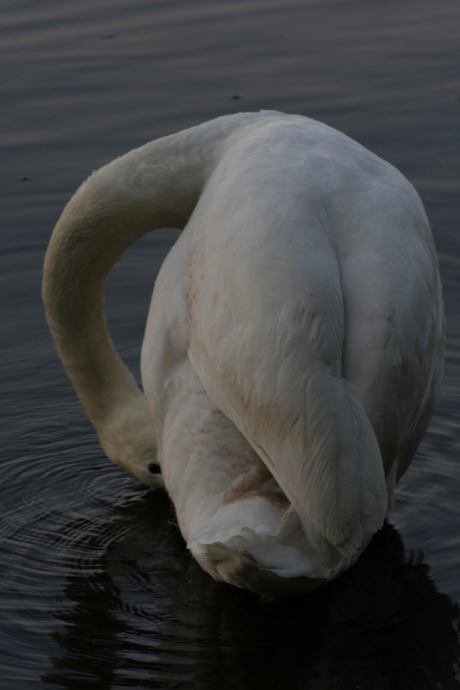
pixel 293 350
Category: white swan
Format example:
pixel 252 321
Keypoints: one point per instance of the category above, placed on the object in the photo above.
pixel 293 352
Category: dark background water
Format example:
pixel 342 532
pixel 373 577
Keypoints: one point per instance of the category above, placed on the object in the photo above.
pixel 96 587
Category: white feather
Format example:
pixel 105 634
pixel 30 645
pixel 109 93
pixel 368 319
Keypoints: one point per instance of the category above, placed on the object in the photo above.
pixel 293 352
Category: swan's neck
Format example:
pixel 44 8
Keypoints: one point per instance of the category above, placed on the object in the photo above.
pixel 152 187
pixel 156 186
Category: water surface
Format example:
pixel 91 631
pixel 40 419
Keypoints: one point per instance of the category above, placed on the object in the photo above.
pixel 97 589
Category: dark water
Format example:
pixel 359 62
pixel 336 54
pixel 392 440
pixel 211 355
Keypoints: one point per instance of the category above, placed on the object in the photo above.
pixel 96 587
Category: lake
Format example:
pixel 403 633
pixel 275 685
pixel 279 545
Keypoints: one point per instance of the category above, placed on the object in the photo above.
pixel 97 589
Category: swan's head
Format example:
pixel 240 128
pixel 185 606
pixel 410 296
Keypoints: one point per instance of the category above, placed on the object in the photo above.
pixel 129 439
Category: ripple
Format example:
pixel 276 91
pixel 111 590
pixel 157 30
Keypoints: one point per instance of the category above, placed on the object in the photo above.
pixel 142 594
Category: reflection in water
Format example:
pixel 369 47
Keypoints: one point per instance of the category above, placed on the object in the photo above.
pixel 139 612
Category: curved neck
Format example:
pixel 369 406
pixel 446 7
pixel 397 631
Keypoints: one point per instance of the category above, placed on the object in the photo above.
pixel 109 212
pixel 152 187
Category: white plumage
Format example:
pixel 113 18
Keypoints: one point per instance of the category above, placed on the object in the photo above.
pixel 293 351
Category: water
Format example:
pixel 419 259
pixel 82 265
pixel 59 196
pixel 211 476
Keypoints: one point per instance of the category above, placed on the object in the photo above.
pixel 96 587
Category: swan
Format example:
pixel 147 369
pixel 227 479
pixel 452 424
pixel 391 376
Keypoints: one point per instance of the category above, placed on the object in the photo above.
pixel 293 350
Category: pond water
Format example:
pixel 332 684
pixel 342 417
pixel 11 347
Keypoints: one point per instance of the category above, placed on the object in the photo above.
pixel 97 589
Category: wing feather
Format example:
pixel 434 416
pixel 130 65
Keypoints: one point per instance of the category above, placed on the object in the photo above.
pixel 310 266
pixel 267 342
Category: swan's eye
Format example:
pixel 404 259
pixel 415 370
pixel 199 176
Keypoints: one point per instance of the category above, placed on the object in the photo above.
pixel 154 469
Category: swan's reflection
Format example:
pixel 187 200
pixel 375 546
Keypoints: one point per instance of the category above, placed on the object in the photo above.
pixel 141 613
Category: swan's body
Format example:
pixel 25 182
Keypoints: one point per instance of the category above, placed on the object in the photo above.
pixel 293 351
